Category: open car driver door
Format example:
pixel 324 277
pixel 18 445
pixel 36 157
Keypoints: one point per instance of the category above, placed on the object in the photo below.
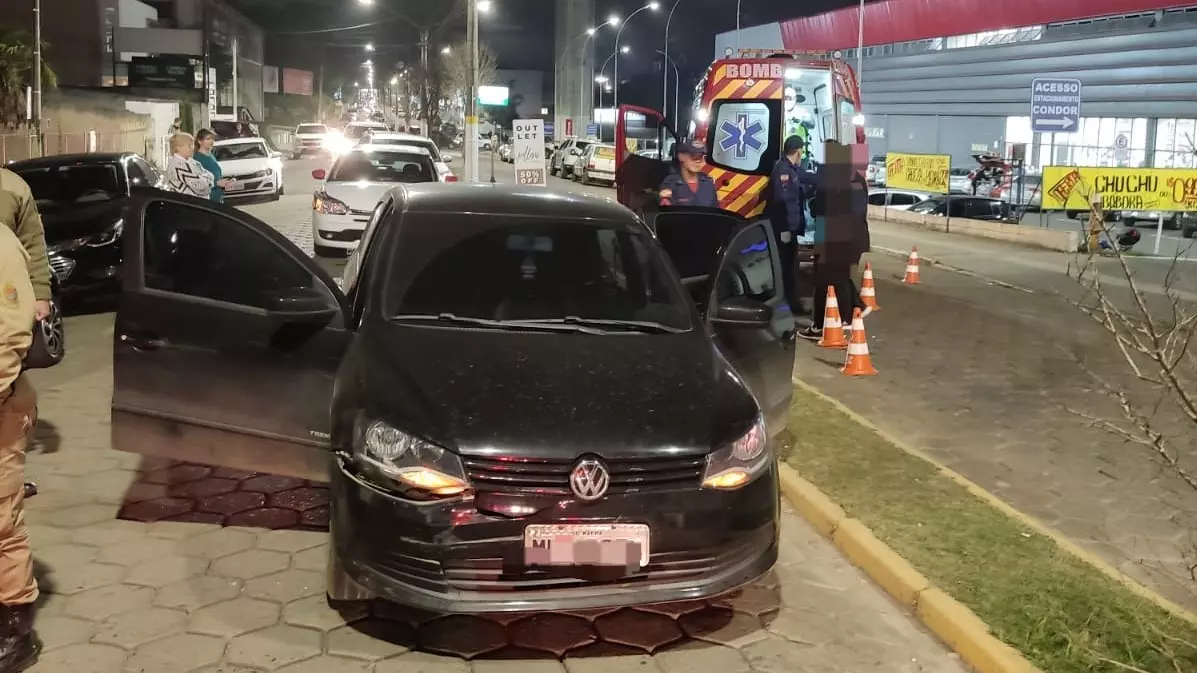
pixel 644 144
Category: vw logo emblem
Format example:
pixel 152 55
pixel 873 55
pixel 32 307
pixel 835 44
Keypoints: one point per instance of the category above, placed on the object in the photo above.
pixel 589 479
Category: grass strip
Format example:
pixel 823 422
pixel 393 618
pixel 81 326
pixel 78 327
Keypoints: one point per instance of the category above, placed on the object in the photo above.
pixel 1064 615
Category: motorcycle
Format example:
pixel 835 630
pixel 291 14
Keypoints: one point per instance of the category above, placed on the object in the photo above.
pixel 1125 240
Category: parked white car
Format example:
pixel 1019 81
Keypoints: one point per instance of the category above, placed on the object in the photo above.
pixel 959 182
pixel 566 157
pixel 341 207
pixel 307 138
pixel 597 164
pixel 256 170
pixel 898 199
pixel 875 172
pixel 441 159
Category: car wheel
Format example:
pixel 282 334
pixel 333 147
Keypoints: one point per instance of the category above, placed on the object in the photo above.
pixel 1128 222
pixel 282 190
pixel 1188 232
pixel 1172 223
pixel 48 347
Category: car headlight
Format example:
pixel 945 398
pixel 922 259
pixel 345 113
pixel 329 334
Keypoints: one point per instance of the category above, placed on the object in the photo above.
pixel 411 463
pixel 741 461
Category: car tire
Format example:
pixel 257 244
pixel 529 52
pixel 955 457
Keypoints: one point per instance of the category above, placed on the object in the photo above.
pixel 1188 232
pixel 282 190
pixel 48 347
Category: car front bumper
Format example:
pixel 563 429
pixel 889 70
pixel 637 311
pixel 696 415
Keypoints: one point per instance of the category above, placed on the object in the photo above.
pixel 87 270
pixel 262 186
pixel 339 231
pixel 451 557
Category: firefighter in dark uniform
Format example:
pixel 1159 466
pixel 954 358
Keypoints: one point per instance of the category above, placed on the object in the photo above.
pixel 689 186
pixel 791 185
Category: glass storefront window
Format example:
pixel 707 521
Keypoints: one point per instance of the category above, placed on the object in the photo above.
pixel 1176 143
pixel 1098 141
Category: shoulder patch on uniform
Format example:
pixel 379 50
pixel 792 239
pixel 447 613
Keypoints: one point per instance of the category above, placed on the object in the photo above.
pixel 11 297
pixel 784 177
pixel 665 193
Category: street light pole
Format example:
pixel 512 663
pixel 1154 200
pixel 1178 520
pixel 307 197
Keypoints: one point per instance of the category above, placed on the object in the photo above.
pixel 665 71
pixel 618 34
pixel 738 26
pixel 586 77
pixel 860 42
pixel 471 130
pixel 677 80
pixel 37 71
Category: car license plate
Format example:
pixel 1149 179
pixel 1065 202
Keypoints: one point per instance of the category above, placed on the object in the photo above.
pixel 235 187
pixel 616 544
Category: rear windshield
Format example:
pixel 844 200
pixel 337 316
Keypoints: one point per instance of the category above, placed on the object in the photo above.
pixel 312 128
pixel 605 152
pixel 356 131
pixel 509 268
pixel 240 151
pixel 65 186
pixel 383 166
pixel 410 142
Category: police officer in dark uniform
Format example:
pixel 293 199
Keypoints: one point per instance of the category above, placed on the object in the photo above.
pixel 791 185
pixel 689 185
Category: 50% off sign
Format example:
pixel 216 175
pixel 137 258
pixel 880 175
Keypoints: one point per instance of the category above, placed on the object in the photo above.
pixel 920 172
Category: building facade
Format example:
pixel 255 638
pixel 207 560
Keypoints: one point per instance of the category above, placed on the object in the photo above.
pixel 959 82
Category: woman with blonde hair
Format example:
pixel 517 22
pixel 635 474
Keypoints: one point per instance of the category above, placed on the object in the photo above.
pixel 184 174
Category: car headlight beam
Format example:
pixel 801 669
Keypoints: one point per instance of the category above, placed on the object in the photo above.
pixel 741 461
pixel 410 462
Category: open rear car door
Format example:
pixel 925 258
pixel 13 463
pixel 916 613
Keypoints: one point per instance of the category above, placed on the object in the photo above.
pixel 637 176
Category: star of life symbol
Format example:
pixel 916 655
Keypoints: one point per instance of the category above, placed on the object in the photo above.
pixel 741 135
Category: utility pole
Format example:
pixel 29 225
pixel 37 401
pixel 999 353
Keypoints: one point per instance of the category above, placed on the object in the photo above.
pixel 424 89
pixel 37 71
pixel 320 87
pixel 236 115
pixel 471 125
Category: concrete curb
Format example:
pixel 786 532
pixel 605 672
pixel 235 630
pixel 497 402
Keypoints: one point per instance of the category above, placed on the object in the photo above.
pixel 943 615
pixel 1133 585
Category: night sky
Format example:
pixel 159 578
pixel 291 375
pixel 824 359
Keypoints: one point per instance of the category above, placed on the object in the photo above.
pixel 519 31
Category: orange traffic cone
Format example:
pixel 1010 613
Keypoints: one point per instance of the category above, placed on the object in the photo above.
pixel 912 267
pixel 868 291
pixel 833 325
pixel 858 362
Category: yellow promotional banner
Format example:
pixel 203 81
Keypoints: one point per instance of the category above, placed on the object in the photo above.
pixel 920 172
pixel 1160 189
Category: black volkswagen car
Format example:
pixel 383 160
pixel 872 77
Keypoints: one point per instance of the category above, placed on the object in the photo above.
pixel 81 199
pixel 523 399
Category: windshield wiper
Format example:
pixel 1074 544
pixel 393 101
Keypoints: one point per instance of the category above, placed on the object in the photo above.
pixel 545 325
pixel 629 325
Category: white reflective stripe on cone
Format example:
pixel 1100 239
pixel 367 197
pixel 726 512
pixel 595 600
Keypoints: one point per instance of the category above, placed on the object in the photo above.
pixel 912 268
pixel 867 292
pixel 858 349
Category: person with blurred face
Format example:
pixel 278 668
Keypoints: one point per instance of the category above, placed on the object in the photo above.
pixel 689 185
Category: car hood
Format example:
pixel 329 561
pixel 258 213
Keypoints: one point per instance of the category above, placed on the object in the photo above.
pixel 358 195
pixel 545 395
pixel 65 224
pixel 244 166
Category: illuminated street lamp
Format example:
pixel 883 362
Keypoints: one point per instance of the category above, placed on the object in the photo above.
pixel 652 6
pixel 484 6
pixel 366 3
pixel 369 47
pixel 446 50
pixel 612 21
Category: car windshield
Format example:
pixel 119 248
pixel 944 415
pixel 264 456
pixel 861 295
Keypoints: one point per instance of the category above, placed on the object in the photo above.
pixel 410 142
pixel 509 272
pixel 240 151
pixel 312 128
pixel 960 172
pixel 57 187
pixel 355 131
pixel 928 206
pixel 383 166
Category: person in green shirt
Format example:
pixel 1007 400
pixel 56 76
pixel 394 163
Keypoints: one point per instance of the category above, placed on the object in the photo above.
pixel 204 140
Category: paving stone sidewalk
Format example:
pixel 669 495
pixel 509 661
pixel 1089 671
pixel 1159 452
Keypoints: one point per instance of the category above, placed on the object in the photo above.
pixel 180 591
pixel 981 377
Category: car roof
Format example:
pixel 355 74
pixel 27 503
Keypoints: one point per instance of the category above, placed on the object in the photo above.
pixel 463 197
pixel 88 158
pixel 367 122
pixel 241 141
pixel 393 148
pixel 398 135
pixel 310 124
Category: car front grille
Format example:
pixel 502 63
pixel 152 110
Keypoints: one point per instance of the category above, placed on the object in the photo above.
pixel 61 267
pixel 345 236
pixel 543 476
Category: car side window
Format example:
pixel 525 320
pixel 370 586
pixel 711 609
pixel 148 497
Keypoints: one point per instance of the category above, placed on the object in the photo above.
pixel 202 253
pixel 747 269
pixel 902 200
pixel 959 207
pixel 137 176
pixel 151 174
pixel 877 199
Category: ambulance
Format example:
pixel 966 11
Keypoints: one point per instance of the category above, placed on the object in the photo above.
pixel 744 108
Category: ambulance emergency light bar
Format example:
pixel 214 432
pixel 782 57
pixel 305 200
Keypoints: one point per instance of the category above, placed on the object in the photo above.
pixel 773 53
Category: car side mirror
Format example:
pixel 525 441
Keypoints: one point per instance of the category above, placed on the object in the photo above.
pixel 448 158
pixel 276 155
pixel 742 312
pixel 319 174
pixel 302 304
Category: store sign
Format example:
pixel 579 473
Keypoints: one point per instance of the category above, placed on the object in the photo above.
pixel 875 132
pixel 297 82
pixel 920 172
pixel 527 151
pixel 1161 189
pixel 493 95
pixel 161 71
